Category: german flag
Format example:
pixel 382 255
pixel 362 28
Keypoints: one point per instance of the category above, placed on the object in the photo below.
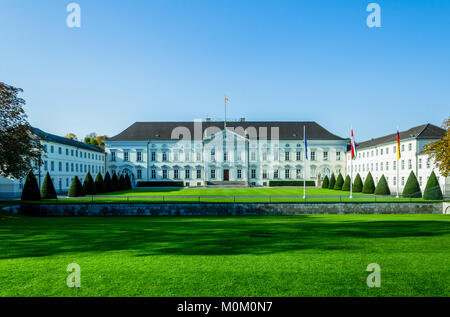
pixel 398 145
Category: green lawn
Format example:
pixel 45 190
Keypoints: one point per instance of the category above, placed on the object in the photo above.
pixel 226 256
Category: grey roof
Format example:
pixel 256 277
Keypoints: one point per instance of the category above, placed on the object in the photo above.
pixel 424 131
pixel 288 130
pixel 59 139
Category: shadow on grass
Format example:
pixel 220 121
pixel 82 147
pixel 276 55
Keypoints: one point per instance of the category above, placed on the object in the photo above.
pixel 144 236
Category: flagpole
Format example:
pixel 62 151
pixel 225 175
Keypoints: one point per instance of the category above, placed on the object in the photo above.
pixel 225 120
pixel 306 160
pixel 351 161
pixel 398 167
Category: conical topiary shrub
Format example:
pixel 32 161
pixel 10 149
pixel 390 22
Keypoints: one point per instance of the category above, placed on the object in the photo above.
pixel 332 181
pixel 89 185
pixel 369 185
pixel 30 189
pixel 99 184
pixel 346 185
pixel 357 184
pixel 47 189
pixel 412 187
pixel 108 183
pixel 76 188
pixel 339 182
pixel 115 182
pixel 122 184
pixel 432 190
pixel 325 182
pixel 382 187
pixel 128 182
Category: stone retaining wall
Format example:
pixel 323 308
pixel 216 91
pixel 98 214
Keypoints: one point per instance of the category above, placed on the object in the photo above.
pixel 213 209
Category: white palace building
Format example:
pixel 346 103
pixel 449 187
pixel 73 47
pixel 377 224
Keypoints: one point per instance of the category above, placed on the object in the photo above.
pixel 239 153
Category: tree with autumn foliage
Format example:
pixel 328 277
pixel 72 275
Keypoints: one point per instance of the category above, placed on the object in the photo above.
pixel 439 151
pixel 20 148
pixel 94 139
pixel 71 136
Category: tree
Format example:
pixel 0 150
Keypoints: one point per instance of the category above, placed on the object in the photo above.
pixel 325 182
pixel 128 182
pixel 412 187
pixel 332 181
pixel 357 184
pixel 108 183
pixel 19 147
pixel 339 182
pixel 100 187
pixel 94 139
pixel 115 182
pixel 71 136
pixel 30 189
pixel 432 190
pixel 48 190
pixel 369 185
pixel 76 188
pixel 382 187
pixel 439 151
pixel 89 185
pixel 346 185
pixel 122 184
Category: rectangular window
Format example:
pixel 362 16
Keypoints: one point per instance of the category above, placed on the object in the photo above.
pixel 428 163
pixel 387 150
pixel 71 152
pixel 420 180
pixel 52 149
pixel 387 166
pixel 164 156
pixel 264 155
pixel 45 165
pixel 164 173
pixel 153 156
pixel 67 151
pixel 76 167
pixel 409 146
pixel 253 173
pixel 395 181
pixel 239 174
pixel 199 156
pixel 213 155
pixel 403 180
pixel 286 173
pixel 199 173
pixel 299 173
pixel 59 150
pixel 381 151
pixel 420 163
pixel 275 174
pixel 52 166
pixel 139 174
pixel 409 164
pixel 299 156
pixel 187 173
pixel 176 173
pixel 325 156
pixel 126 156
pixel 376 167
pixel 264 174
pixel 60 166
pixel 225 156
pixel 139 156
pixel 313 156
pixel 338 156
pixel 113 156
pixel 175 156
pixel 381 166
pixel 286 156
pixel 403 164
pixel 153 173
pixel 403 148
pixel 187 156
pixel 275 155
pixel 253 156
pixel 394 165
pixel 213 174
pixel 239 156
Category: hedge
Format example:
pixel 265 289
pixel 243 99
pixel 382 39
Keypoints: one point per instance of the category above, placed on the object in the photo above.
pixel 291 183
pixel 76 188
pixel 88 185
pixel 100 187
pixel 382 187
pixel 160 184
pixel 48 190
pixel 369 185
pixel 339 182
pixel 432 190
pixel 122 184
pixel 30 189
pixel 357 184
pixel 346 185
pixel 115 182
pixel 332 182
pixel 325 182
pixel 412 187
pixel 108 183
pixel 128 182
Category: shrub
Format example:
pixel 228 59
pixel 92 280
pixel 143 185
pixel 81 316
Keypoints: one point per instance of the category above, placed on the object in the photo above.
pixel 332 182
pixel 108 183
pixel 339 182
pixel 48 190
pixel 432 190
pixel 412 187
pixel 291 183
pixel 160 184
pixel 325 182
pixel 128 182
pixel 382 187
pixel 89 185
pixel 369 185
pixel 115 182
pixel 346 185
pixel 76 188
pixel 357 184
pixel 99 184
pixel 30 189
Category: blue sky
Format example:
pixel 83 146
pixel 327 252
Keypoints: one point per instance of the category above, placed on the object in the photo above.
pixel 276 60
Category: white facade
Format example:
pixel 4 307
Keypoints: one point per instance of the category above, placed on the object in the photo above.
pixel 381 160
pixel 63 162
pixel 224 157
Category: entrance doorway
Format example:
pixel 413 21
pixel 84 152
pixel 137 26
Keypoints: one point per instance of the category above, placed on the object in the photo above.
pixel 226 175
